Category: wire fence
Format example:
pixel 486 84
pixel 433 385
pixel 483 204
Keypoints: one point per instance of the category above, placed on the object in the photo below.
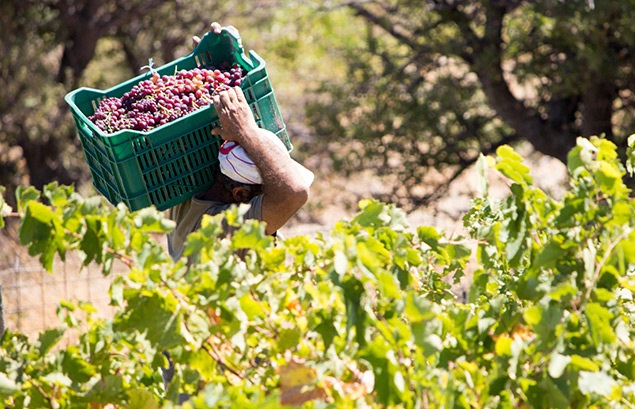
pixel 30 295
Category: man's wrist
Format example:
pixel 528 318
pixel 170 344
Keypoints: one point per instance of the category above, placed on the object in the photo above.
pixel 246 134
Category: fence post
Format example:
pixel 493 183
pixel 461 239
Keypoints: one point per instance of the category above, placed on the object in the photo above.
pixel 2 326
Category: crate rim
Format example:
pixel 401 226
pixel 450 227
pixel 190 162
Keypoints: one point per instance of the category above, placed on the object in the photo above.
pixel 259 64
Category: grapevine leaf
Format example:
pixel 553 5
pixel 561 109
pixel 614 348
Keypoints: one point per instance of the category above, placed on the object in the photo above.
pixel 295 373
pixel 399 382
pixel 250 307
pixel 5 209
pixel 198 326
pixel 162 328
pixel 557 364
pixel 57 379
pixel 297 383
pixel 509 163
pixel 388 285
pixel 91 205
pixel 609 177
pixel 151 221
pixel 627 249
pixel 141 399
pixel 289 338
pixel 110 388
pixel 25 195
pixel 39 232
pixel 75 367
pixel 543 319
pixel 600 324
pixel 201 361
pixel 583 363
pixel 251 236
pixel 596 383
pixel 328 332
pixel 115 233
pixel 484 324
pixel 340 263
pixel 429 235
pixel 56 194
pixel 91 242
pixel 418 308
pixel 372 254
pixel 503 345
pixel 556 393
pixel 574 160
pixel 116 291
pixel 630 155
pixel 7 385
pixel 376 214
pixel 48 339
pixel 373 214
pixel 588 152
pixel 549 255
pixel 481 173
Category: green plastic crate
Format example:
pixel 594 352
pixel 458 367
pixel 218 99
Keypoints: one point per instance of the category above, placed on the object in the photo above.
pixel 167 165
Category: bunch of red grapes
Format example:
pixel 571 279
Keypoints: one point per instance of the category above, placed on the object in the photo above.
pixel 162 99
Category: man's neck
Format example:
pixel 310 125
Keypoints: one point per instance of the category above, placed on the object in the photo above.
pixel 217 193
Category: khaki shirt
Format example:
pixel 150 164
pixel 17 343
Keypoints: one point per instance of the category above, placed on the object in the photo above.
pixel 188 215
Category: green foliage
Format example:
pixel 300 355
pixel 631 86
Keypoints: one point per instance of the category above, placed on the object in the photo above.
pixel 430 85
pixel 362 317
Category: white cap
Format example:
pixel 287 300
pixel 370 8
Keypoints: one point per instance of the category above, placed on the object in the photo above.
pixel 236 163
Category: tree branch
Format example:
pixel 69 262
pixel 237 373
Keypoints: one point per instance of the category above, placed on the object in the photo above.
pixel 384 23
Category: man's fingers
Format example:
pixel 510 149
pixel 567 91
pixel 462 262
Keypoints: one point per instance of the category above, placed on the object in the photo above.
pixel 233 96
pixel 225 98
pixel 240 95
pixel 196 40
pixel 215 28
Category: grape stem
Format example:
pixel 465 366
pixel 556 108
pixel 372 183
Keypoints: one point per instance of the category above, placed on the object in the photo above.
pixel 149 67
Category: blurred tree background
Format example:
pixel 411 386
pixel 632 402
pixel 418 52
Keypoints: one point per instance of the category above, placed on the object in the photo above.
pixel 413 89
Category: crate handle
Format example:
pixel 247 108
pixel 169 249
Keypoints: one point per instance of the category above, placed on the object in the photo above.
pixel 85 129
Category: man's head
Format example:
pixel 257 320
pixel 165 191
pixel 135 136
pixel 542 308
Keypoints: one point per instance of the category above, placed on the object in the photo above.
pixel 239 192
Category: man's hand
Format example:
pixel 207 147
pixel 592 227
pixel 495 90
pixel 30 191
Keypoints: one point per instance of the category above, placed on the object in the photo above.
pixel 216 29
pixel 285 190
pixel 236 120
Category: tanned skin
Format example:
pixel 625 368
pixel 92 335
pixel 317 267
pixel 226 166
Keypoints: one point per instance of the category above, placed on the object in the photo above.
pixel 284 190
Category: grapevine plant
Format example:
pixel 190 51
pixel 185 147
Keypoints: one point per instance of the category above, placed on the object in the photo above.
pixel 363 317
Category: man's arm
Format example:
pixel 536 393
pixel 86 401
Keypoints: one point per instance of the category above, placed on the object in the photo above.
pixel 284 189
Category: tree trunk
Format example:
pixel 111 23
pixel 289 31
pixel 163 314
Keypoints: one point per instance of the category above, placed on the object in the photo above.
pixel 89 22
pixel 487 63
pixel 597 107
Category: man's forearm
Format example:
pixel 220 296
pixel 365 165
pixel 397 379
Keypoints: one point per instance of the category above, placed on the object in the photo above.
pixel 276 167
pixel 284 188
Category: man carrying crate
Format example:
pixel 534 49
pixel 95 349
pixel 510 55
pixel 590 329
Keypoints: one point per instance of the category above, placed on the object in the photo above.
pixel 255 168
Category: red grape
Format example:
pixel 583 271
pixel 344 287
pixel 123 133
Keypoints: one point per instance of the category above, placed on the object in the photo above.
pixel 163 99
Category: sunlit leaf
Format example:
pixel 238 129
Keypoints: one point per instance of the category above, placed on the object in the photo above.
pixel 557 364
pixel 596 383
